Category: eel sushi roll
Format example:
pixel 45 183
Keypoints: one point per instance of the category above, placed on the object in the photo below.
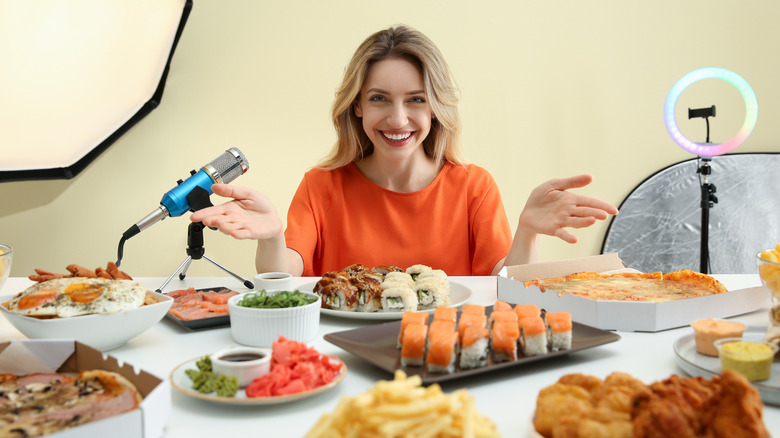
pixel 471 320
pixel 416 270
pixel 385 269
pixel 339 296
pixel 533 336
pixel 442 351
pixel 413 346
pixel 432 292
pixel 503 339
pixel 410 318
pixel 474 347
pixel 523 310
pixel 399 298
pixel 558 326
pixel 369 291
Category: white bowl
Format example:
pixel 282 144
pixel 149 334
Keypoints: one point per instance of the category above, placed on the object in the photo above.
pixel 273 281
pixel 261 327
pixel 104 332
pixel 6 257
pixel 244 369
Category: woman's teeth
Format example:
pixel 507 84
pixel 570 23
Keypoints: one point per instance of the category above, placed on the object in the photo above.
pixel 397 137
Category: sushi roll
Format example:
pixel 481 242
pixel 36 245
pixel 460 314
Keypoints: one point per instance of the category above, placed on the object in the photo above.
pixel 440 326
pixel 442 351
pixel 533 336
pixel 339 296
pixel 445 314
pixel 523 310
pixel 558 326
pixel 369 291
pixel 471 320
pixel 413 346
pixel 385 269
pixel 501 306
pixel 392 278
pixel 399 299
pixel 432 292
pixel 433 273
pixel 474 347
pixel 502 315
pixel 473 308
pixel 410 318
pixel 503 339
pixel 416 270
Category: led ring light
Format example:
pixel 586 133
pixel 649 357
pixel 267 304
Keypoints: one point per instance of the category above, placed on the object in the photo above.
pixel 710 150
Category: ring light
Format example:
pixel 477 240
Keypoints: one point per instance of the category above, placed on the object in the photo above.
pixel 710 150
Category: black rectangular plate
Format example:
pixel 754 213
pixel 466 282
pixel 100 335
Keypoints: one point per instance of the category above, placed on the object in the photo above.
pixel 377 345
pixel 203 323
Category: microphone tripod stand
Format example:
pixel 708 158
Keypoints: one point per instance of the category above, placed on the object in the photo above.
pixel 198 198
pixel 708 200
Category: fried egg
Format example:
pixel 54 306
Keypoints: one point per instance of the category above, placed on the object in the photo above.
pixel 73 296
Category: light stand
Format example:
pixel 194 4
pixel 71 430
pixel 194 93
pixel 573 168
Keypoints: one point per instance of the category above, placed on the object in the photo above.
pixel 707 150
pixel 198 198
pixel 708 199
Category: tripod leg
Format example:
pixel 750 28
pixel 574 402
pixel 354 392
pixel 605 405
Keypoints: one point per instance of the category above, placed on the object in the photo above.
pixel 186 261
pixel 186 267
pixel 248 284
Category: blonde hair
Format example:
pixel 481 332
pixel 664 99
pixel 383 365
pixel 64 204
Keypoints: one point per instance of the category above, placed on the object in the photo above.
pixel 443 141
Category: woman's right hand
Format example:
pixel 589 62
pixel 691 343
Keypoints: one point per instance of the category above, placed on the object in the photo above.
pixel 249 215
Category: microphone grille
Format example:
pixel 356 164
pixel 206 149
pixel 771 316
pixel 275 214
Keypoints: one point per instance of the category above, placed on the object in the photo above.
pixel 228 166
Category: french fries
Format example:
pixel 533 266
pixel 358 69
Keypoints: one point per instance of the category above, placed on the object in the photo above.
pixel 403 408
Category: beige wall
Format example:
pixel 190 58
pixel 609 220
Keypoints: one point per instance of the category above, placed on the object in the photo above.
pixel 549 89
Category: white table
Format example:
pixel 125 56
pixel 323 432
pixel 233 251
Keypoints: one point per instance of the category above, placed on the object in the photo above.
pixel 507 396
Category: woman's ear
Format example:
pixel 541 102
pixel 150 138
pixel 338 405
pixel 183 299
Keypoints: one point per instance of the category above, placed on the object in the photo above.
pixel 358 109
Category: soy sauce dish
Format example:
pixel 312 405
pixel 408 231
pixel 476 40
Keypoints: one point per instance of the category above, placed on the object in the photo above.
pixel 244 363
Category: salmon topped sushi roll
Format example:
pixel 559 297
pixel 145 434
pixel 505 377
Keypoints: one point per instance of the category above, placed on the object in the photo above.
pixel 473 308
pixel 413 346
pixel 445 314
pixel 502 315
pixel 409 318
pixel 474 347
pixel 501 306
pixel 533 336
pixel 523 310
pixel 558 326
pixel 442 350
pixel 471 320
pixel 503 339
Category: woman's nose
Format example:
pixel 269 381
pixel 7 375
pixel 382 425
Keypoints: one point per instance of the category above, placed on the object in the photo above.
pixel 398 117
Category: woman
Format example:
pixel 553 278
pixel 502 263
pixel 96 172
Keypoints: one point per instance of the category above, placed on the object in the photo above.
pixel 395 189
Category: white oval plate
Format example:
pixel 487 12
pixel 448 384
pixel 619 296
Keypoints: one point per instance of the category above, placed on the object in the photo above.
pixel 459 295
pixel 181 381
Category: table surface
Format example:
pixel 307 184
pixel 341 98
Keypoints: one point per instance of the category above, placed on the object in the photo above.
pixel 507 396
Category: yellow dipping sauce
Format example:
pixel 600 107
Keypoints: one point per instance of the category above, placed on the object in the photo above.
pixel 751 359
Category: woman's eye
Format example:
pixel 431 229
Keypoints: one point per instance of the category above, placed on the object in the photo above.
pixel 417 99
pixel 377 98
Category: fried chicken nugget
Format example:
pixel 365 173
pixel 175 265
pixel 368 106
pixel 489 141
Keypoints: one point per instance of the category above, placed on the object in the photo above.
pixel 739 409
pixel 598 422
pixel 557 401
pixel 618 392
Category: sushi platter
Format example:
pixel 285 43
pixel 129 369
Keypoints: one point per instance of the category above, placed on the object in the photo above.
pixel 378 345
pixel 459 295
pixel 696 364
pixel 202 323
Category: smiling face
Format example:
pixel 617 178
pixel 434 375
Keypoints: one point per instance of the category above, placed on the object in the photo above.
pixel 394 109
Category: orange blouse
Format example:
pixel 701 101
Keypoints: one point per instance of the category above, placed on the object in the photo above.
pixel 457 224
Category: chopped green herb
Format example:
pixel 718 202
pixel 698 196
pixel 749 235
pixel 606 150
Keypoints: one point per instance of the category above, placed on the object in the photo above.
pixel 276 300
pixel 205 381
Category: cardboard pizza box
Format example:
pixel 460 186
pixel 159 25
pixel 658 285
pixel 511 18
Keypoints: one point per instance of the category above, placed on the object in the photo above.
pixel 620 315
pixel 23 357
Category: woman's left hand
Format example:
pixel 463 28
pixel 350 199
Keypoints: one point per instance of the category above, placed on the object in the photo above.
pixel 551 209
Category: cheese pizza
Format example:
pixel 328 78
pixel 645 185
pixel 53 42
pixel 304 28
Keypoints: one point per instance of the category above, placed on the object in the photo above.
pixel 630 286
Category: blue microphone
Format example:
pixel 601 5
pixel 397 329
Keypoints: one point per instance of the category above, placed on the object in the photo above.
pixel 223 169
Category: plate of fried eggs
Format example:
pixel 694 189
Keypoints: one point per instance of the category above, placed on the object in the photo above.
pixel 99 312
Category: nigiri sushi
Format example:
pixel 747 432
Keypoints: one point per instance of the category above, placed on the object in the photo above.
pixel 413 346
pixel 558 326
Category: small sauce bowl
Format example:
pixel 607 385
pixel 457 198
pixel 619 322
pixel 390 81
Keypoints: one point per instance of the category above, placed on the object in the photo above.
pixel 273 281
pixel 244 363
pixel 749 357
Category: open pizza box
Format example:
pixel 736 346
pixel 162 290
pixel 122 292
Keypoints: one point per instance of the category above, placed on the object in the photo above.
pixel 22 357
pixel 620 315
